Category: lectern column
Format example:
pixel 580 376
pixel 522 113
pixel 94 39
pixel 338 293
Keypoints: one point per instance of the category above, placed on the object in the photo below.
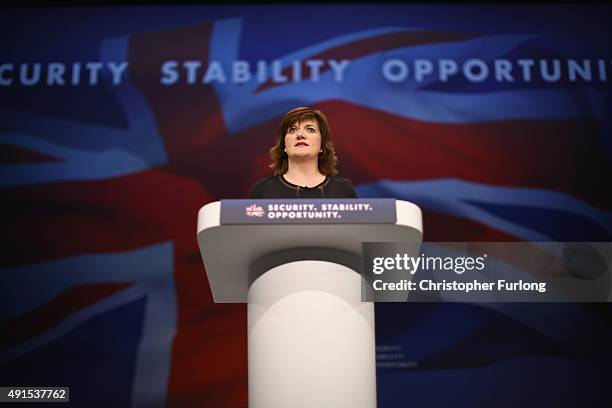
pixel 311 341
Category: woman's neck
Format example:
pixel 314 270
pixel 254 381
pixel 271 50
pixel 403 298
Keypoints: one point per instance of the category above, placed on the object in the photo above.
pixel 305 173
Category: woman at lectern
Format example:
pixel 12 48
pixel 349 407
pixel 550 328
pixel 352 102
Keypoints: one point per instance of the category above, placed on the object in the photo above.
pixel 303 160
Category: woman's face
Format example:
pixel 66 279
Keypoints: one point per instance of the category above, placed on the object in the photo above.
pixel 303 139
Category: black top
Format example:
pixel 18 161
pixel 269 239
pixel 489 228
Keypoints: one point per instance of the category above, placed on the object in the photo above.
pixel 278 187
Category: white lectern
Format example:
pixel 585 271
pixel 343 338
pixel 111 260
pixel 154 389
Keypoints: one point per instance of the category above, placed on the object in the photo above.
pixel 311 338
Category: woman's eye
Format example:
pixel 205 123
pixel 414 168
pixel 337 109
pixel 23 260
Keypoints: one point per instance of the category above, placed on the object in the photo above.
pixel 292 130
pixel 311 130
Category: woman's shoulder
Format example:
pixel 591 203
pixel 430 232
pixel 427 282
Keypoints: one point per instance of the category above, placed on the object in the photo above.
pixel 340 180
pixel 342 187
pixel 265 180
pixel 262 187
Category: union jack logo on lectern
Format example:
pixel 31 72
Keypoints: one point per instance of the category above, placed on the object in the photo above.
pixel 254 211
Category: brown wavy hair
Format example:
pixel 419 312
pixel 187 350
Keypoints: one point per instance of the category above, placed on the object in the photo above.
pixel 327 159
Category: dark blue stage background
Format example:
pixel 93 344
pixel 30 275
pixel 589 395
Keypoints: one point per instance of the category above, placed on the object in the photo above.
pixel 118 124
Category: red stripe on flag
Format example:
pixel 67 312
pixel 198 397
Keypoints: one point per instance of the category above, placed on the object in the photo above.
pixel 566 156
pixel 191 112
pixel 57 220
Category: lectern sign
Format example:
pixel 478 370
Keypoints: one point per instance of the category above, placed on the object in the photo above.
pixel 309 211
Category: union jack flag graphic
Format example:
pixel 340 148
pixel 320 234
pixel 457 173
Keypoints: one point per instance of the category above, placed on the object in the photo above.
pixel 254 211
pixel 103 287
